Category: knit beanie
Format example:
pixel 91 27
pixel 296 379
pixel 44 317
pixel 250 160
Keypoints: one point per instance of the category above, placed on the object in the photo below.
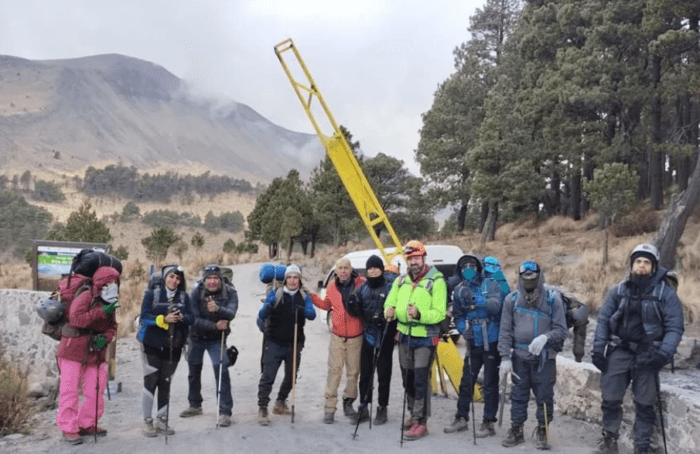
pixel 374 261
pixel 292 269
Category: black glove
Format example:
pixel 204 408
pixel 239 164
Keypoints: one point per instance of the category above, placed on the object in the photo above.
pixel 651 361
pixel 600 362
pixel 378 319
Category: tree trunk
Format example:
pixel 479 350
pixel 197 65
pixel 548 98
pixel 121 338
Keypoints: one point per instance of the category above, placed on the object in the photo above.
pixel 673 224
pixel 656 158
pixel 484 216
pixel 605 247
pixel 462 217
pixel 289 250
pixel 575 199
pixel 489 228
pixel 312 254
pixel 304 246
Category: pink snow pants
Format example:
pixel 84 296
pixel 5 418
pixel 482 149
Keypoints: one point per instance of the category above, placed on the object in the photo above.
pixel 71 415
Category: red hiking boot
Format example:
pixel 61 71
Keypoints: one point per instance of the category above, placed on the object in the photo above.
pixel 416 432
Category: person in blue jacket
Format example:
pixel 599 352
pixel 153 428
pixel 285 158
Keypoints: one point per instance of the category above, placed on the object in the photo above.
pixel 532 331
pixel 165 318
pixel 477 304
pixel 214 305
pixel 639 328
pixel 285 309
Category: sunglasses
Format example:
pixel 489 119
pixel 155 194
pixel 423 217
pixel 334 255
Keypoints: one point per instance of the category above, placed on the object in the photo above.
pixel 211 269
pixel 530 267
pixel 410 250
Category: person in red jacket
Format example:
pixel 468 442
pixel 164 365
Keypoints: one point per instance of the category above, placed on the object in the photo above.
pixel 345 344
pixel 82 356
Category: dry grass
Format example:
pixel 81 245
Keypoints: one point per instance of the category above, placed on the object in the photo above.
pixel 15 408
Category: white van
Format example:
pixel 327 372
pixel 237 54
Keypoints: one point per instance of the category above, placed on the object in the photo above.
pixel 443 257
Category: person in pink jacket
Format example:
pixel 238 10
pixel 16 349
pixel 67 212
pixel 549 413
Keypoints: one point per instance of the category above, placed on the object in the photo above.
pixel 82 356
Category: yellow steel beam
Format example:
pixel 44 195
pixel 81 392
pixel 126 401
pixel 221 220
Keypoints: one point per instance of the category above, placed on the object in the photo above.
pixel 340 153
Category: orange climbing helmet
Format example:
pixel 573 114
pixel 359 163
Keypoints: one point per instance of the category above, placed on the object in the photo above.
pixel 414 248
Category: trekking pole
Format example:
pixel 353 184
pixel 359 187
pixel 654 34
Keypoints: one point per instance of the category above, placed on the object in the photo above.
pixel 661 411
pixel 546 423
pixel 502 398
pixel 294 363
pixel 218 390
pixel 471 389
pixel 405 388
pixel 167 407
pixel 97 392
pixel 369 391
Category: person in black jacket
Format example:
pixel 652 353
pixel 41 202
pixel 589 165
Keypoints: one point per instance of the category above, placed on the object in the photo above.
pixel 368 303
pixel 165 319
pixel 284 309
pixel 214 305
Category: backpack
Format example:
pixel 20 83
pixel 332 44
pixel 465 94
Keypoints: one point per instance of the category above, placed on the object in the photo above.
pixel 66 291
pixel 279 294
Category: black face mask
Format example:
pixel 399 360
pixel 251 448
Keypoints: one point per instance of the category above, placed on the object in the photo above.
pixel 375 282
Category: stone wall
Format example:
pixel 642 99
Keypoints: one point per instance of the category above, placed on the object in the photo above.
pixel 21 337
pixel 577 393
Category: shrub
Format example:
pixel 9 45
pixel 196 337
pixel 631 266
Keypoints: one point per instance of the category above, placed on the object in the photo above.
pixel 47 191
pixel 15 409
pixel 635 224
pixel 229 246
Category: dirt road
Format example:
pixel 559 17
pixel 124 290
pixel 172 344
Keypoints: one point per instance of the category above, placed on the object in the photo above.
pixel 198 435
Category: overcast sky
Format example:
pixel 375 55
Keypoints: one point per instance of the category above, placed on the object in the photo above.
pixel 376 63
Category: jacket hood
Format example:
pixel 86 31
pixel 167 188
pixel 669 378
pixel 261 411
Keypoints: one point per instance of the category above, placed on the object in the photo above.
pixel 463 260
pixel 103 276
pixel 540 287
pixel 167 269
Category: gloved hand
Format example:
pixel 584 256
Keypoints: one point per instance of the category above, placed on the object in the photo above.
pixel 651 361
pixel 109 308
pixel 161 323
pixel 480 301
pixel 537 344
pixel 503 370
pixel 600 362
pixel 101 342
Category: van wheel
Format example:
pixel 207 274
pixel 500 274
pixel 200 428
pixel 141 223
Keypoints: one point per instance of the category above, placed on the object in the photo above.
pixel 329 320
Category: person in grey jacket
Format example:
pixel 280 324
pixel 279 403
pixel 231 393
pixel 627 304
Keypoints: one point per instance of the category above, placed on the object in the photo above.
pixel 533 328
pixel 214 305
pixel 638 331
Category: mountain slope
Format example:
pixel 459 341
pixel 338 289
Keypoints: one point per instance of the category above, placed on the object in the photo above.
pixel 71 113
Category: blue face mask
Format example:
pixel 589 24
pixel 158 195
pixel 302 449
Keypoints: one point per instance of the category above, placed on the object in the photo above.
pixel 469 274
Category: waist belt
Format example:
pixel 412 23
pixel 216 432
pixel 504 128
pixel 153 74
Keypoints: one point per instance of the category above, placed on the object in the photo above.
pixel 634 347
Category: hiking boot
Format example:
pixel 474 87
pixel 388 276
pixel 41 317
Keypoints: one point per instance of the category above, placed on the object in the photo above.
pixel 149 429
pixel 161 429
pixel 381 417
pixel 224 420
pixel 457 425
pixel 363 417
pixel 90 431
pixel 263 420
pixel 72 438
pixel 416 432
pixel 329 417
pixel 408 423
pixel 515 436
pixel 280 408
pixel 607 444
pixel 541 442
pixel 347 408
pixel 192 411
pixel 485 430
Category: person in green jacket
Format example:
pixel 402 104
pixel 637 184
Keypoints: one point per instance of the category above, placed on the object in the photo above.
pixel 419 302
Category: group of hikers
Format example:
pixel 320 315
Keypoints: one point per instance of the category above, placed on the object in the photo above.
pixel 513 335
